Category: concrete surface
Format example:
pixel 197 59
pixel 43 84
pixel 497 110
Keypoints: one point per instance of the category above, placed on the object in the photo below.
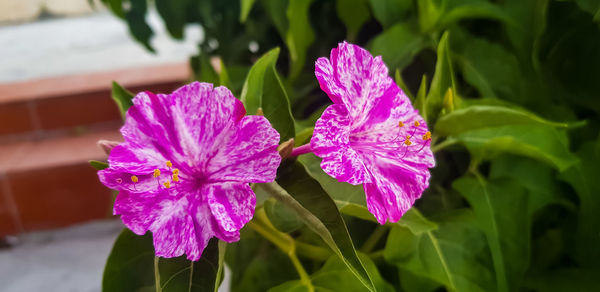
pixel 70 259
pixel 64 260
pixel 92 43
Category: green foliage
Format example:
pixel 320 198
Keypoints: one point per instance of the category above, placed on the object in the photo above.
pixel 122 98
pixel 509 89
pixel 131 266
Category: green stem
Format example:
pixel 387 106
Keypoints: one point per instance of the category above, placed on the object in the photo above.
pixel 443 144
pixel 283 241
pixel 312 251
pixel 373 239
pixel 156 275
pixel 377 256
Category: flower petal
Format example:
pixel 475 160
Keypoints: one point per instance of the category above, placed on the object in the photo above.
pixel 176 221
pixel 330 141
pixel 204 118
pixel 250 155
pixel 232 204
pixel 354 77
pixel 395 189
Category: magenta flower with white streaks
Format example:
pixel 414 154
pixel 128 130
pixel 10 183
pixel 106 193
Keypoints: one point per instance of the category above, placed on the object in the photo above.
pixel 184 169
pixel 371 135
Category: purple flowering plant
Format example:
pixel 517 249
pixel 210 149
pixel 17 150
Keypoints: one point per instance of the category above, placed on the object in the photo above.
pixel 400 151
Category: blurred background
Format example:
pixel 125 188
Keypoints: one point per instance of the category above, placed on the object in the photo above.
pixel 58 59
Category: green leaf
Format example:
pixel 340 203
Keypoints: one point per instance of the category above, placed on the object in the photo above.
pixel 335 276
pixel 398 44
pixel 282 217
pixel 299 35
pixel 492 70
pixel 544 143
pixel 486 116
pixel 122 98
pixel 115 6
pixel 130 267
pixel 443 79
pixel 136 21
pixel 502 212
pixel 389 12
pixel 460 10
pixel 454 255
pixel 583 176
pixel 98 165
pixel 354 13
pixel 246 7
pixel 174 13
pixel 402 85
pixel 420 100
pixel 319 212
pixel 539 179
pixel 263 89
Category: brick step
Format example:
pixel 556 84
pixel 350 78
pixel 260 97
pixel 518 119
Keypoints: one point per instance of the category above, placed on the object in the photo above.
pixel 47 108
pixel 49 183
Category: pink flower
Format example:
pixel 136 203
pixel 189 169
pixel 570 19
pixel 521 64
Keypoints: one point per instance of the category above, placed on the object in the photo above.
pixel 184 168
pixel 371 135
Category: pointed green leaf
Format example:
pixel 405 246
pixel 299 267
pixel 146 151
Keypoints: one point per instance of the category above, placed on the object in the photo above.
pixel 487 116
pixel 246 7
pixel 398 45
pixel 299 35
pixel 122 98
pixel 263 89
pixel 402 85
pixel 304 195
pixel 443 79
pixel 98 165
pixel 502 212
pixel 541 142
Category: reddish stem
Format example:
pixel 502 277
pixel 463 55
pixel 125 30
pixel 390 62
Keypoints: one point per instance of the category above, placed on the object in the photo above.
pixel 301 150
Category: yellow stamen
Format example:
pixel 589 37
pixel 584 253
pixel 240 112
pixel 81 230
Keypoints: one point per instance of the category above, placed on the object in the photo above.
pixel 169 164
pixel 427 136
pixel 407 142
pixel 134 178
pixel 175 171
pixel 156 172
pixel 175 177
pixel 167 184
pixel 407 137
pixel 400 124
pixel 417 123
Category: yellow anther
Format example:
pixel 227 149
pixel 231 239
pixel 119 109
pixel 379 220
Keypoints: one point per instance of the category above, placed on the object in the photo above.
pixel 427 136
pixel 400 124
pixel 407 142
pixel 407 137
pixel 134 178
pixel 175 177
pixel 167 184
pixel 417 123
pixel 175 171
pixel 169 164
pixel 156 172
